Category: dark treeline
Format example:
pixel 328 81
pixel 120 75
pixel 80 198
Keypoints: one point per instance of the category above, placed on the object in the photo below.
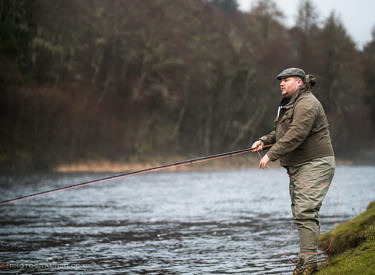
pixel 111 80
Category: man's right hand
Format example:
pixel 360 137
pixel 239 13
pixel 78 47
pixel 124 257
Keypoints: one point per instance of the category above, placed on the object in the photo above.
pixel 257 146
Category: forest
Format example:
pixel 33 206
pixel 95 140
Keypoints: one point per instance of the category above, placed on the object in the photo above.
pixel 112 80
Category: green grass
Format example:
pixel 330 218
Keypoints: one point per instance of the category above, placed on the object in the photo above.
pixel 353 247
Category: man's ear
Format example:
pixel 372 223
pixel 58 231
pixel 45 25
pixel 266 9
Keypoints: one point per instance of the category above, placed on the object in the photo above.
pixel 300 82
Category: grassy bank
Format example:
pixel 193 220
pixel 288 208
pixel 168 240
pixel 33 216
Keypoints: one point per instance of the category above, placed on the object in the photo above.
pixel 353 247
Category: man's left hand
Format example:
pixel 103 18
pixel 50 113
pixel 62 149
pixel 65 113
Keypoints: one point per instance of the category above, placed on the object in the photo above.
pixel 264 161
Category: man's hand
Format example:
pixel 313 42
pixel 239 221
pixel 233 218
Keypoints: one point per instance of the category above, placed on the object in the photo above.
pixel 257 146
pixel 264 161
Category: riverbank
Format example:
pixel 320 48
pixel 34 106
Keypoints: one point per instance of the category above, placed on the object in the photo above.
pixel 353 247
pixel 236 162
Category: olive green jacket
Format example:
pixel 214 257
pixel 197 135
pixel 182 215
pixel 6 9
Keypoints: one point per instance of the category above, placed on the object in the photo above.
pixel 301 131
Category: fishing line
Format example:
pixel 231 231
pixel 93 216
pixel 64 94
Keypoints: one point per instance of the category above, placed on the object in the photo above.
pixel 178 164
pixel 291 220
pixel 133 173
pixel 331 239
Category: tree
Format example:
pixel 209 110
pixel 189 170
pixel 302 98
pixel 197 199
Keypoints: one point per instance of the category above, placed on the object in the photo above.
pixel 92 79
pixel 18 21
pixel 340 83
pixel 304 35
pixel 307 16
pixel 226 5
pixel 369 74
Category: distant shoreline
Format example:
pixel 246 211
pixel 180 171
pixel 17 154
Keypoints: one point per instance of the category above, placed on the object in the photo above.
pixel 229 163
pixel 113 166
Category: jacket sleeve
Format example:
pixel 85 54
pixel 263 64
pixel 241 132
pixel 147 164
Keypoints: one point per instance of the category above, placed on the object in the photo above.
pixel 304 116
pixel 269 138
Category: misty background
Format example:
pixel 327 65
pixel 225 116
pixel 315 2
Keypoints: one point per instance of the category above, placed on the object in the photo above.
pixel 356 16
pixel 92 80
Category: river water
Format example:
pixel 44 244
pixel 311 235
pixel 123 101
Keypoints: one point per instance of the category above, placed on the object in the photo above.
pixel 219 222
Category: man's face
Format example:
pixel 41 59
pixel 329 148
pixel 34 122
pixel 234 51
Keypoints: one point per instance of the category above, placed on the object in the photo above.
pixel 290 85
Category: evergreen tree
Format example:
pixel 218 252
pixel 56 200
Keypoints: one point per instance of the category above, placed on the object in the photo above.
pixel 369 74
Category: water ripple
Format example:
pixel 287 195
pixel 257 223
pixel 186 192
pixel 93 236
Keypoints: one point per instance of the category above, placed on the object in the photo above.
pixel 176 223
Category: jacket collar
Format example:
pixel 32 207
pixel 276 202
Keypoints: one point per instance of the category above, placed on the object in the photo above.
pixel 294 97
pixel 290 101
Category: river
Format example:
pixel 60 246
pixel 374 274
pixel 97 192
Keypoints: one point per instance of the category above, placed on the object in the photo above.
pixel 196 222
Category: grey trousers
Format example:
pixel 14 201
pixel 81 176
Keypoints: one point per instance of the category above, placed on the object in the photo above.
pixel 309 184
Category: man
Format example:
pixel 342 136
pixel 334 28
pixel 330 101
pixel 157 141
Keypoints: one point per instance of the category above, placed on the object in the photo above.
pixel 302 143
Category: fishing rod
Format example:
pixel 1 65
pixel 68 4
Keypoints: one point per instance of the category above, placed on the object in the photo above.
pixel 142 171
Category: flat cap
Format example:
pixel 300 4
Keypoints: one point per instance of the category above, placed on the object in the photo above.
pixel 291 72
